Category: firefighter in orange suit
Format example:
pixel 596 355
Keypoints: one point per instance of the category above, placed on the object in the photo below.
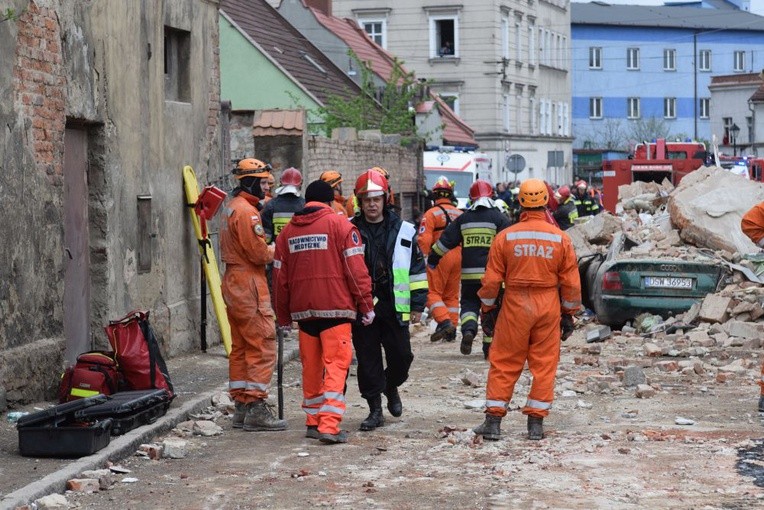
pixel 753 226
pixel 537 265
pixel 248 302
pixel 443 281
pixel 334 179
pixel 321 281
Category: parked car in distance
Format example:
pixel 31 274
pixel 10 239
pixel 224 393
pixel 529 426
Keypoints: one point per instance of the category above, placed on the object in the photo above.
pixel 620 288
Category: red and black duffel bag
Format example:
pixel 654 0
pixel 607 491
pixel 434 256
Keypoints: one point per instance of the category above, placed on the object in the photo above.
pixel 138 354
pixel 95 372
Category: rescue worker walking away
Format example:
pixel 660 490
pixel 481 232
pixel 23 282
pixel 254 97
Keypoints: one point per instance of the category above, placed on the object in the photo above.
pixel 444 281
pixel 536 263
pixel 474 231
pixel 399 288
pixel 286 201
pixel 321 282
pixel 752 225
pixel 248 302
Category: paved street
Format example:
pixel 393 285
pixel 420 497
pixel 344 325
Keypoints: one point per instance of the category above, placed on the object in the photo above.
pixel 605 448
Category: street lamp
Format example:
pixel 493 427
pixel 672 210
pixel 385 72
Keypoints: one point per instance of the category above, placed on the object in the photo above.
pixel 734 131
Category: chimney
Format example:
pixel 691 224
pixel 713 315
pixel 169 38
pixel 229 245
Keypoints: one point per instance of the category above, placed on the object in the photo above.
pixel 324 6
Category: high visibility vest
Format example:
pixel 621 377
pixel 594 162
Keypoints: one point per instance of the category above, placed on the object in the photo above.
pixel 403 282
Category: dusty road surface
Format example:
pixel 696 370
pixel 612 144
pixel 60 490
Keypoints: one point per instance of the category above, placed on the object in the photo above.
pixel 604 446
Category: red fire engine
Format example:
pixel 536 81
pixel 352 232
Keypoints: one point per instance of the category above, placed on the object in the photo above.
pixel 651 162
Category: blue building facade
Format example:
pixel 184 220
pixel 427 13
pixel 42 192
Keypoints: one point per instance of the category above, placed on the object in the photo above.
pixel 637 67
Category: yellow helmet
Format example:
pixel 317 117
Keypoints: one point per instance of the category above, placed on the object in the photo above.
pixel 533 193
pixel 251 167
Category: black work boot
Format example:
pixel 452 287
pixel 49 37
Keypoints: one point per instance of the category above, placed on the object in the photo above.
pixel 240 411
pixel 444 331
pixel 490 429
pixel 375 418
pixel 535 428
pixel 466 346
pixel 761 404
pixel 486 346
pixel 394 404
pixel 260 418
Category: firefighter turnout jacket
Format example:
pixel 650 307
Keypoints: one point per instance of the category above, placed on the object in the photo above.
pixel 277 213
pixel 474 231
pixel 566 213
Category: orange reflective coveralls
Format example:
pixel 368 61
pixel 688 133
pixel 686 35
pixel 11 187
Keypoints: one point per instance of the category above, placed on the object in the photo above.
pixel 753 226
pixel 537 264
pixel 248 301
pixel 445 280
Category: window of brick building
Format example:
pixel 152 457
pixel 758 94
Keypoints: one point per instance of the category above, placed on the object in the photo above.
pixel 177 65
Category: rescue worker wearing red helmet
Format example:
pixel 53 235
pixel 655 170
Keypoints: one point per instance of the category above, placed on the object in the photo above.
pixel 353 207
pixel 334 179
pixel 474 232
pixel 752 226
pixel 399 287
pixel 536 264
pixel 286 201
pixel 586 204
pixel 248 302
pixel 443 281
pixel 321 282
pixel 566 213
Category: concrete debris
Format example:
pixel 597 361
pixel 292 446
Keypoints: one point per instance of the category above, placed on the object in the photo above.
pixel 474 404
pixel 207 428
pixel 470 378
pixel 598 334
pixel 645 391
pixel 683 421
pixel 83 485
pixel 708 205
pixel 714 308
pixel 601 228
pixel 633 376
pixel 174 448
pixel 152 451
pixel 51 502
pixel 104 476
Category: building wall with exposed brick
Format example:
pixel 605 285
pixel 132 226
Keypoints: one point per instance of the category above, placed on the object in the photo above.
pixel 100 69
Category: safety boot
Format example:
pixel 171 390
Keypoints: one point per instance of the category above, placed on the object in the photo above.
pixel 487 341
pixel 535 428
pixel 394 404
pixel 444 331
pixel 311 432
pixel 490 429
pixel 761 404
pixel 240 411
pixel 339 437
pixel 260 418
pixel 375 418
pixel 466 346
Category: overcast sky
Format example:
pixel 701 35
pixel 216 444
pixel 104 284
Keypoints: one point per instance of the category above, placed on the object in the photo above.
pixel 757 6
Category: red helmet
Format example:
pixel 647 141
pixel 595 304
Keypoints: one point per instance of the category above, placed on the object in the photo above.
pixel 291 177
pixel 371 184
pixel 443 184
pixel 480 189
pixel 581 183
pixel 564 191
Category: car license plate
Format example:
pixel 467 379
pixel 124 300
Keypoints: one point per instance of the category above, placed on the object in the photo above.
pixel 667 282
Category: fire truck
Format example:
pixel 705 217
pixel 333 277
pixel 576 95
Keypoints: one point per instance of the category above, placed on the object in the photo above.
pixel 746 166
pixel 651 162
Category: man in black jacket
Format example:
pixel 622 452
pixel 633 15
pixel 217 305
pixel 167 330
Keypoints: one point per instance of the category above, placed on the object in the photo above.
pixel 399 289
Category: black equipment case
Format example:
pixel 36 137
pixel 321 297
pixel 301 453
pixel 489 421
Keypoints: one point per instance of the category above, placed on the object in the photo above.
pixel 59 432
pixel 129 409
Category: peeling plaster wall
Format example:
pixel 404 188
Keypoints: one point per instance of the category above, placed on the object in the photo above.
pixel 79 64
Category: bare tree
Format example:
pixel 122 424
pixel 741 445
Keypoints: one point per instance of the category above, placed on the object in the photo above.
pixel 648 129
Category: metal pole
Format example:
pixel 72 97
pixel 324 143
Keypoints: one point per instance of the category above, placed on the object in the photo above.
pixel 203 295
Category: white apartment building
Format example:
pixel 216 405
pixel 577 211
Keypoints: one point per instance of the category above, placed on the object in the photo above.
pixel 503 65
